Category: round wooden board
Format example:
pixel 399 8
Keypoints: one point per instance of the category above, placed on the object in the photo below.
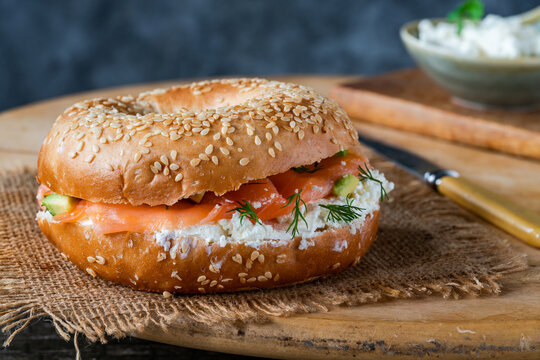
pixel 507 326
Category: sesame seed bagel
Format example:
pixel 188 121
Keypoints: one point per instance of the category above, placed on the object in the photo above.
pixel 135 260
pixel 166 145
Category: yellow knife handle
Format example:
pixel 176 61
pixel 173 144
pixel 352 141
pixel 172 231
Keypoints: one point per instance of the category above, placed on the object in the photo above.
pixel 509 216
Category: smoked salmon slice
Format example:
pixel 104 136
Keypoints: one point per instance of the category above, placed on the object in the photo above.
pixel 316 181
pixel 268 198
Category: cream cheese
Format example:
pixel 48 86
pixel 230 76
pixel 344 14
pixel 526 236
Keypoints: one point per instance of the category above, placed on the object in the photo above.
pixel 494 37
pixel 366 196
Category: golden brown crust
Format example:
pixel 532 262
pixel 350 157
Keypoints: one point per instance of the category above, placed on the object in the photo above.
pixel 170 144
pixel 136 260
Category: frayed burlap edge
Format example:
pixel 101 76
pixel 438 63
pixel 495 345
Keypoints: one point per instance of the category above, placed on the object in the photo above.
pixel 19 305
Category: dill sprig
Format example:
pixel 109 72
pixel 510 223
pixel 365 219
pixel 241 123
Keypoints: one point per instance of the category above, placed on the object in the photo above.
pixel 341 153
pixel 346 213
pixel 467 10
pixel 365 174
pixel 246 210
pixel 305 169
pixel 297 212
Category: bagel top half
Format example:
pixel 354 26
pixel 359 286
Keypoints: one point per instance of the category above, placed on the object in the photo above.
pixel 167 145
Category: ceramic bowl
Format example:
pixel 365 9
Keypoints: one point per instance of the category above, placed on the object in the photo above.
pixel 479 80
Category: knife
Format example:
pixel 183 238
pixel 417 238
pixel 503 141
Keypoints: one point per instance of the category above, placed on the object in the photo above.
pixel 502 212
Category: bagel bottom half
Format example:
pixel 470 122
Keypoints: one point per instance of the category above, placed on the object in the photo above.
pixel 136 260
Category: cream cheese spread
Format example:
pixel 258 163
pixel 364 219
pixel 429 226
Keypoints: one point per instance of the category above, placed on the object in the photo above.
pixel 493 37
pixel 366 196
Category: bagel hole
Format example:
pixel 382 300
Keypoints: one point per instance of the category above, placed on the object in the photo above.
pixel 180 99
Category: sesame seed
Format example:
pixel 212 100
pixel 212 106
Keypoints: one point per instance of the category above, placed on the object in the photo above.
pixel 244 161
pixel 229 141
pixel 335 266
pixel 72 154
pixel 213 268
pixel 95 148
pixel 166 171
pixel 275 129
pixel 213 283
pixel 178 177
pixel 144 150
pixel 237 258
pixel 215 159
pixel 217 136
pixel 268 136
pixel 252 279
pixel 249 131
pixel 278 146
pixel 167 294
pixel 89 158
pixel 201 290
pixel 254 255
pixel 220 286
pixel 164 160
pixel 205 131
pixel 262 278
pixel 204 157
pixel 205 282
pixel 201 278
pixel 91 272
pixel 276 278
pixel 268 274
pixel 158 166
pixel 91 259
pixel 195 162
pixel 261 258
pixel 224 151
pixel 271 152
pixel 137 157
pixel 184 248
pixel 257 140
pixel 301 134
pixel 174 167
pixel 334 141
pixel 242 280
pixel 249 263
pixel 209 149
pixel 242 274
pixel 173 155
pixel 161 256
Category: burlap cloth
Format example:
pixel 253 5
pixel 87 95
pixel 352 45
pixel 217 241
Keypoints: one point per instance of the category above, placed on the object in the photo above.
pixel 426 245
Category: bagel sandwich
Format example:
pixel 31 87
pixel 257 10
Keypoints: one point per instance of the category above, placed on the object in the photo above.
pixel 216 186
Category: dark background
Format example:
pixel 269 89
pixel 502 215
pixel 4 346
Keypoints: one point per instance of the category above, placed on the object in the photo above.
pixel 49 48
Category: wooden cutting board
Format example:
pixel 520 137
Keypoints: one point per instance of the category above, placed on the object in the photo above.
pixel 410 101
pixel 507 326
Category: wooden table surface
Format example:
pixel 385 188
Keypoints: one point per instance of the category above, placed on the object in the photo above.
pixel 507 326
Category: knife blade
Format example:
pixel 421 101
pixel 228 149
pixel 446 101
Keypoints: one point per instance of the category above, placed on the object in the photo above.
pixel 500 211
